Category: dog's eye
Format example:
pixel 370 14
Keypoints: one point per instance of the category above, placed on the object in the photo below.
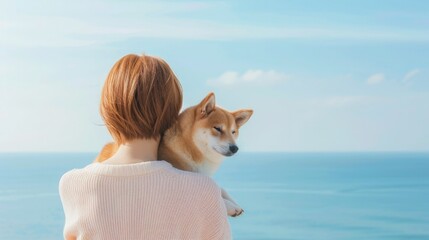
pixel 233 132
pixel 218 129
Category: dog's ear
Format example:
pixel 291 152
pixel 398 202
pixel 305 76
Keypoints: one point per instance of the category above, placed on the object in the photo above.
pixel 241 116
pixel 207 105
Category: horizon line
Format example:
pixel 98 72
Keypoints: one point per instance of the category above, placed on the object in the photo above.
pixel 310 151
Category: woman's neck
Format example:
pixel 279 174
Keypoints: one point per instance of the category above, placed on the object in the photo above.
pixel 135 151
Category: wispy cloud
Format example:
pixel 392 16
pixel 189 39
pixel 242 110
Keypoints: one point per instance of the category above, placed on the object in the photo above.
pixel 165 20
pixel 375 79
pixel 178 28
pixel 411 74
pixel 256 77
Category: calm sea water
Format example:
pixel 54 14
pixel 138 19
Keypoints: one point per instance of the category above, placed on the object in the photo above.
pixel 358 196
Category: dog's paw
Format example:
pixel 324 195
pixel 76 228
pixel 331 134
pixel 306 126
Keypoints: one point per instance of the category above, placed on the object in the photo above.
pixel 238 212
pixel 233 209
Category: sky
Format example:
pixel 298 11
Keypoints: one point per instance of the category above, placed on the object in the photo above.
pixel 319 75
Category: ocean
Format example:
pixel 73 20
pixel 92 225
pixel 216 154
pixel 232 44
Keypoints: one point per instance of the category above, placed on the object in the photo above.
pixel 298 196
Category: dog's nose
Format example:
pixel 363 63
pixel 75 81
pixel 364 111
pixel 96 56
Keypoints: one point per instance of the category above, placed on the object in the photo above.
pixel 233 148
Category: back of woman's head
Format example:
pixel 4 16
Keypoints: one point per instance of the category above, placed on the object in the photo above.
pixel 141 98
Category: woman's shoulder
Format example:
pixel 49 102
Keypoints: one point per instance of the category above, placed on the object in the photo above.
pixel 196 180
pixel 70 177
pixel 187 174
pixel 94 175
pixel 75 178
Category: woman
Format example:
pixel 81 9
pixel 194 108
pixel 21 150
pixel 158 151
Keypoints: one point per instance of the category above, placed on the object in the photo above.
pixel 132 195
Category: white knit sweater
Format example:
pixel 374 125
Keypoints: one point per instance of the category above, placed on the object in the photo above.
pixel 147 200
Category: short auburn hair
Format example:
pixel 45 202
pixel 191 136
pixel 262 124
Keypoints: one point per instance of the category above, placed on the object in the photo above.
pixel 141 98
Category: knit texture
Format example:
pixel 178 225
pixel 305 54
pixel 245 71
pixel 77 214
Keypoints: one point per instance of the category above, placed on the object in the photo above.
pixel 147 200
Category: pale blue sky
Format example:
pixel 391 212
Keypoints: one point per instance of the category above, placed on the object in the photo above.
pixel 320 75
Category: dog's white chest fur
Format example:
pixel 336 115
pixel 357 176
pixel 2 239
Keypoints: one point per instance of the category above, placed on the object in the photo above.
pixel 212 159
pixel 207 167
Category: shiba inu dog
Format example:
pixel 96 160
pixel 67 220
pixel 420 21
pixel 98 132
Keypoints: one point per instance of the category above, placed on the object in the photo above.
pixel 203 135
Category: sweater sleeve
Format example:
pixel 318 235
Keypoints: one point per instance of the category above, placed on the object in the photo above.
pixel 66 195
pixel 216 225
